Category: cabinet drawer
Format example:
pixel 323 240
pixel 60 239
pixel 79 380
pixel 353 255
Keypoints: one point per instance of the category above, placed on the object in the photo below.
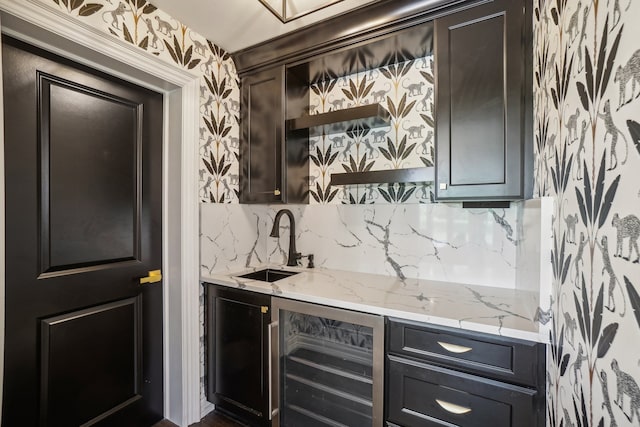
pixel 508 359
pixel 419 394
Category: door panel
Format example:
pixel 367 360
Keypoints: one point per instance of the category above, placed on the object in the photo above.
pixel 92 334
pixel 90 212
pixel 83 156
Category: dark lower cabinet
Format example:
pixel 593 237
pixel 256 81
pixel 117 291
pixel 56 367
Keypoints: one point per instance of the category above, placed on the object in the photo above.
pixel 484 102
pixel 237 359
pixel 440 377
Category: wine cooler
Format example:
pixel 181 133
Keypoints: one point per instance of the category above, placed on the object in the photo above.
pixel 326 366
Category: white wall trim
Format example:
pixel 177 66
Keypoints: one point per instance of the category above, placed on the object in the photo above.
pixel 163 77
pixel 2 227
pixel 190 253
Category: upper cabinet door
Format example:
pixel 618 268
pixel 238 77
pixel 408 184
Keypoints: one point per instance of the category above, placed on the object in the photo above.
pixel 261 137
pixel 482 104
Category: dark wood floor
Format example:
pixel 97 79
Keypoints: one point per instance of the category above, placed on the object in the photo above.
pixel 214 419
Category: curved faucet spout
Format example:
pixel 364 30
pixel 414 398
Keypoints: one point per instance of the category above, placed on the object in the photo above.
pixel 293 256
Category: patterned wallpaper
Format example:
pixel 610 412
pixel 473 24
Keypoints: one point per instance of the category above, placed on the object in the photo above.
pixel 587 147
pixel 140 23
pixel 406 91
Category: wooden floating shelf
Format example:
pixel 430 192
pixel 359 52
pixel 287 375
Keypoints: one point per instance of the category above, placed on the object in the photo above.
pixel 339 121
pixel 425 174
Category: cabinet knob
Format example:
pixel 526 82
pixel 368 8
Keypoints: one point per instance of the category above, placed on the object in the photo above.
pixel 276 192
pixel 443 186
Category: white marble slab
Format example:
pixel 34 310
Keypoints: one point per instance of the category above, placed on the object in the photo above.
pixel 232 236
pixel 441 242
pixel 500 311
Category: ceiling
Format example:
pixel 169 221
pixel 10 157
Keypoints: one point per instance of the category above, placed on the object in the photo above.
pixel 236 24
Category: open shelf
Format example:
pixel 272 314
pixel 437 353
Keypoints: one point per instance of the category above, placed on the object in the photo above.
pixel 425 174
pixel 365 116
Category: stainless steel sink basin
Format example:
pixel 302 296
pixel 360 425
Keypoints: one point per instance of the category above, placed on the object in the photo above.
pixel 268 275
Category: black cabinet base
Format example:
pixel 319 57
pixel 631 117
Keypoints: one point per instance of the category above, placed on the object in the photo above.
pixel 237 359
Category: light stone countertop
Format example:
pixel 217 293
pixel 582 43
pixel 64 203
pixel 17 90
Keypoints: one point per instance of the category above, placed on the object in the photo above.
pixel 498 311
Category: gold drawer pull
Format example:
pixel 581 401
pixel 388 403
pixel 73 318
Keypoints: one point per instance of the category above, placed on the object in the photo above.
pixel 452 348
pixel 153 277
pixel 454 409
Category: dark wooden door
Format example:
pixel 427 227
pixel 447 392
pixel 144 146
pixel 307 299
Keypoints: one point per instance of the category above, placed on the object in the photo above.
pixel 83 338
pixel 261 138
pixel 237 331
pixel 482 102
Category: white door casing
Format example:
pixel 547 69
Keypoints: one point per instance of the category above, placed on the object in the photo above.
pixel 43 26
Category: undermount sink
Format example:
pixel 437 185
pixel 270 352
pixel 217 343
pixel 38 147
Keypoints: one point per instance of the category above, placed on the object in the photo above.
pixel 268 275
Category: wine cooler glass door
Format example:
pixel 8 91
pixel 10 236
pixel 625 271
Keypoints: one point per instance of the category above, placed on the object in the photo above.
pixel 327 364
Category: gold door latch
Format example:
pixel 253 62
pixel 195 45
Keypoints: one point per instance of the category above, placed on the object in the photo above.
pixel 153 277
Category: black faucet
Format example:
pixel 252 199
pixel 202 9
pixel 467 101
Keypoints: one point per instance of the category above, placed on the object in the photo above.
pixel 275 232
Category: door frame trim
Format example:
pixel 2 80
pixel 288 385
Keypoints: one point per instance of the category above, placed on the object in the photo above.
pixel 181 112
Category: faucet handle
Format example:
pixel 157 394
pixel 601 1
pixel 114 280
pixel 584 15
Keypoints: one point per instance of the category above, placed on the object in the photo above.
pixel 310 259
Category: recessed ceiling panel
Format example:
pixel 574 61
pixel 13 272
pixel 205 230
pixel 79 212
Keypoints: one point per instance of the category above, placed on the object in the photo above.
pixel 235 25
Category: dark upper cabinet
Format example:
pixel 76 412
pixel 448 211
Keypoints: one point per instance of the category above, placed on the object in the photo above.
pixel 274 168
pixel 484 100
pixel 261 137
pixel 237 354
pixel 483 103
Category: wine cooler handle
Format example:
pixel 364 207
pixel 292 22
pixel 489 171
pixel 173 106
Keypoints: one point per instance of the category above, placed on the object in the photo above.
pixel 273 393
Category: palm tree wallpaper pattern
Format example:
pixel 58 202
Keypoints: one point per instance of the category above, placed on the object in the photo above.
pixel 587 147
pixel 140 23
pixel 406 91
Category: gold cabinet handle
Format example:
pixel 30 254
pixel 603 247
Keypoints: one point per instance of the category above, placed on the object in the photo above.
pixel 276 192
pixel 452 348
pixel 264 309
pixel 153 277
pixel 453 408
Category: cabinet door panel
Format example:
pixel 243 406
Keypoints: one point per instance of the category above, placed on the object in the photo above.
pixel 261 151
pixel 425 395
pixel 237 324
pixel 481 102
pixel 476 71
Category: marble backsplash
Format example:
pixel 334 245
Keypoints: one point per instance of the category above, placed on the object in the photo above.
pixel 441 242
